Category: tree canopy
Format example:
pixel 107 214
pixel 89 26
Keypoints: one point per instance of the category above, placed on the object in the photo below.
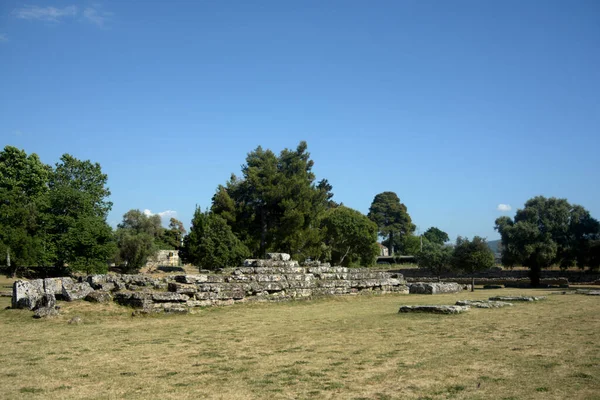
pixel 211 244
pixel 435 235
pixel 350 237
pixel 435 257
pixel 391 217
pixel 275 205
pixel 548 231
pixel 53 215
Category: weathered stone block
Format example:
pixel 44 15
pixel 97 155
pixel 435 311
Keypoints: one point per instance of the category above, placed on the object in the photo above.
pixel 278 256
pixel 182 288
pixel 45 312
pixel 164 297
pixel 517 298
pixel 435 287
pixel 483 303
pixel 26 294
pixel 191 278
pixel 434 309
pixel 98 296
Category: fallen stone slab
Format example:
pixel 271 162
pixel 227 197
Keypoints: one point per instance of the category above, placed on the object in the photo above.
pixel 76 292
pixel 45 312
pixel 517 298
pixel 434 287
pixel 483 303
pixel 434 309
pixel 98 297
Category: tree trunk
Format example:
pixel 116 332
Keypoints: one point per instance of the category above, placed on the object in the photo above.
pixel 535 275
pixel 472 283
pixel 391 253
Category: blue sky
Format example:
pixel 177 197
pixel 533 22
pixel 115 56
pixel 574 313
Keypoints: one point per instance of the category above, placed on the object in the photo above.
pixel 457 106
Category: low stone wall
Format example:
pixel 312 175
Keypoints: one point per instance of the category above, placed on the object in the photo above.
pixel 257 280
pixel 507 282
pixel 499 274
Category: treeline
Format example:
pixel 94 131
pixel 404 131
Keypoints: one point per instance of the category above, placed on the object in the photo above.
pixel 56 216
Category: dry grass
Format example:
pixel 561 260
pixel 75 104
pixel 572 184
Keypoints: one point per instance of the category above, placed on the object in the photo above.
pixel 346 347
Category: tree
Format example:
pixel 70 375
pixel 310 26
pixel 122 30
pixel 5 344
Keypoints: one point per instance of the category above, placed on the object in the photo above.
pixel 91 243
pixel 391 217
pixel 211 243
pixel 23 191
pixel 471 256
pixel 174 235
pixel 434 257
pixel 138 238
pixel 411 244
pixel 350 236
pixel 78 199
pixel 275 205
pixel 547 231
pixel 435 235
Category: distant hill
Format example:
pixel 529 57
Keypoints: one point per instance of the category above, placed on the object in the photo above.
pixel 493 245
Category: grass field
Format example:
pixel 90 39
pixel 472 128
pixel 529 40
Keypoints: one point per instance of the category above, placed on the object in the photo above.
pixel 344 347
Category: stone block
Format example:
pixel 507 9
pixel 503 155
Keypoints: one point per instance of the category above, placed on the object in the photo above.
pixel 435 287
pixel 98 296
pixel 26 294
pixel 191 278
pixel 483 303
pixel 434 309
pixel 517 298
pixel 278 256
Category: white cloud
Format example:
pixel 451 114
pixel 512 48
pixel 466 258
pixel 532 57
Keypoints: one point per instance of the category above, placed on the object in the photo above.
pixel 504 207
pixel 3 37
pixel 52 14
pixel 165 216
pixel 96 16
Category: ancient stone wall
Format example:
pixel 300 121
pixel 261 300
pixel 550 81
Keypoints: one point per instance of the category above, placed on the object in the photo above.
pixel 258 280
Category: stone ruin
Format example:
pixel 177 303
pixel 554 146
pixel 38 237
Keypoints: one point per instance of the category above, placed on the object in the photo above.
pixel 275 279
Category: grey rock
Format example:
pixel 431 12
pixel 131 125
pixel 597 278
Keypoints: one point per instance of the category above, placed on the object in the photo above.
pixel 434 309
pixel 191 278
pixel 77 291
pixel 45 312
pixel 163 297
pixel 46 301
pixel 483 303
pixel 517 298
pixel 76 320
pixel 26 294
pixel 278 256
pixel 53 286
pixel 435 287
pixel 98 296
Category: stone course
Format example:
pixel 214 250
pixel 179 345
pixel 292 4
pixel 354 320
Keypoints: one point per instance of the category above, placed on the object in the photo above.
pixel 276 279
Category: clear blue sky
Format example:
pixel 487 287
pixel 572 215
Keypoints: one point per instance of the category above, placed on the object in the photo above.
pixel 457 106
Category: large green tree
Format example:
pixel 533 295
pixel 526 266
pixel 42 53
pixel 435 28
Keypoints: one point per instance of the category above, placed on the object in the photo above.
pixel 350 236
pixel 139 237
pixel 436 235
pixel 211 244
pixel 547 231
pixel 471 256
pixel 78 202
pixel 391 217
pixel 275 205
pixel 435 257
pixel 173 237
